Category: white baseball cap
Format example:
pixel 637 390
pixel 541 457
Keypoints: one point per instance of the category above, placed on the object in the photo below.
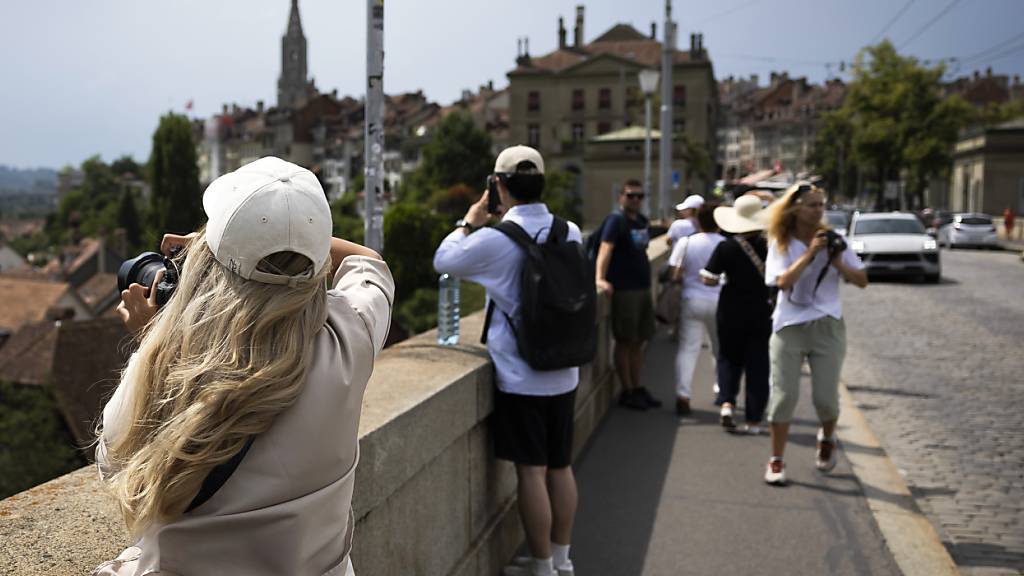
pixel 264 207
pixel 691 201
pixel 510 158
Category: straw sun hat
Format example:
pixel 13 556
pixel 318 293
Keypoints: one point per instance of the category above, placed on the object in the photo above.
pixel 745 215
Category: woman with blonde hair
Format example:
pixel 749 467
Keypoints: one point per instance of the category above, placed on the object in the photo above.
pixel 230 444
pixel 805 261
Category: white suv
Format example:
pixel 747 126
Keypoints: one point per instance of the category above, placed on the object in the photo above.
pixel 894 244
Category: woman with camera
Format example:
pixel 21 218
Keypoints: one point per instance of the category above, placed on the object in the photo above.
pixel 805 261
pixel 231 442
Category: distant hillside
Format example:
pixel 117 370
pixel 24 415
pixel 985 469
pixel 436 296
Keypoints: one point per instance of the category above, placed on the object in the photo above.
pixel 17 181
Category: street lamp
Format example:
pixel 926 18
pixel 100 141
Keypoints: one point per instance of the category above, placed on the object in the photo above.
pixel 648 83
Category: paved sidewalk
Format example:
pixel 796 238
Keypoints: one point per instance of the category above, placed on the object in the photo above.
pixel 663 495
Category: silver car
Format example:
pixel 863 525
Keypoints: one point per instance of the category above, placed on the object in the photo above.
pixel 895 244
pixel 969 229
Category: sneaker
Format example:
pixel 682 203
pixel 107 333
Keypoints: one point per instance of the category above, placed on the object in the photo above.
pixel 652 402
pixel 526 562
pixel 682 406
pixel 716 389
pixel 825 459
pixel 524 569
pixel 726 418
pixel 752 428
pixel 636 401
pixel 775 473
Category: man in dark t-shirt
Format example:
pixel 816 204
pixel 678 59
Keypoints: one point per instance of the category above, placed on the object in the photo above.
pixel 624 272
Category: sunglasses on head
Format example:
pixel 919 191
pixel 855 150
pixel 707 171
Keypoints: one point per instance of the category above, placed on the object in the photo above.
pixel 635 195
pixel 800 191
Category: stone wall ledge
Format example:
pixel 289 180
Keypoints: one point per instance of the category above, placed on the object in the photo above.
pixel 430 497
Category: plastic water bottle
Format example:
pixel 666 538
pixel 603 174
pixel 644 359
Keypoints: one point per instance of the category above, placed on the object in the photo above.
pixel 448 310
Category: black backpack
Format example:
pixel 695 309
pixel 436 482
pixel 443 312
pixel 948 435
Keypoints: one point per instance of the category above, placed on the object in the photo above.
pixel 557 328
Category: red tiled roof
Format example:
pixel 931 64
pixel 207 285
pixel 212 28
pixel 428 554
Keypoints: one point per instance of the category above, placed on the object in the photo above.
pixel 26 300
pixel 27 357
pixel 98 291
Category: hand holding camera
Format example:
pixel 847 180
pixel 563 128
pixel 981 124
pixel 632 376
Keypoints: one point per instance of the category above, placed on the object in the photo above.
pixel 148 281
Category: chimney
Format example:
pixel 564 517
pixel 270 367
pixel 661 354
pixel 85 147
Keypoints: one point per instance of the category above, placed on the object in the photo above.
pixel 224 109
pixel 1016 79
pixel 754 80
pixel 490 85
pixel 977 75
pixel 654 30
pixel 988 72
pixel 259 106
pixel 526 47
pixel 578 32
pixel 561 32
pixel 519 48
pixel 693 43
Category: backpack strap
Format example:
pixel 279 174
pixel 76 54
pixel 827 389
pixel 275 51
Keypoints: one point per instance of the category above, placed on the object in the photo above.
pixel 218 476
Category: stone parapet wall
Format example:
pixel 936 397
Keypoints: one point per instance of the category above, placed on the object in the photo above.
pixel 430 497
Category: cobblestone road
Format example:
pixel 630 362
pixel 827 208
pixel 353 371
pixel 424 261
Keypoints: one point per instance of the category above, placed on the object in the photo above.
pixel 939 372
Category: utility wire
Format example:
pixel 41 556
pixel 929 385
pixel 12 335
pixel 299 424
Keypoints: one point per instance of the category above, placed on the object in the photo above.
pixel 979 56
pixel 1000 55
pixel 893 20
pixel 931 22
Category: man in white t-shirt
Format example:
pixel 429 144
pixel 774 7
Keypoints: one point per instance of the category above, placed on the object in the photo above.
pixel 686 224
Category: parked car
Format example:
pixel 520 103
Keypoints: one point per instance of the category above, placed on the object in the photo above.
pixel 894 244
pixel 969 229
pixel 838 220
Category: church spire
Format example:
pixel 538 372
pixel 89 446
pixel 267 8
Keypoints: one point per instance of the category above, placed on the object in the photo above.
pixel 293 85
pixel 294 22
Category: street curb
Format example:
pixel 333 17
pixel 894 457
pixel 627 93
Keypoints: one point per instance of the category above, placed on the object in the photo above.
pixel 910 537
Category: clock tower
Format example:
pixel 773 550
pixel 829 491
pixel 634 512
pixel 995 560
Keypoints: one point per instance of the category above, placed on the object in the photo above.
pixel 292 85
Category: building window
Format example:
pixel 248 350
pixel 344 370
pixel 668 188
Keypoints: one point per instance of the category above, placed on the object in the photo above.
pixel 533 101
pixel 604 99
pixel 604 127
pixel 679 125
pixel 577 99
pixel 679 95
pixel 577 133
pixel 533 135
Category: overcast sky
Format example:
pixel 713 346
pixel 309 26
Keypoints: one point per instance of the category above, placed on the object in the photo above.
pixel 92 77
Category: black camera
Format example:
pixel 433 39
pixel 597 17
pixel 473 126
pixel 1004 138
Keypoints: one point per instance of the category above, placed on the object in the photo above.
pixel 493 198
pixel 836 243
pixel 143 270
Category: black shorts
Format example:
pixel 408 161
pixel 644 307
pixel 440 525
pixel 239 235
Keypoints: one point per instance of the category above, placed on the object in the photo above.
pixel 534 430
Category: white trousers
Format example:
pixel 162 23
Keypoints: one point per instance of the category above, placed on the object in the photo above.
pixel 697 318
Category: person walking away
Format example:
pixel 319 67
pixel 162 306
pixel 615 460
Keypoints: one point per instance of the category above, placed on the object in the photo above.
pixel 533 409
pixel 806 261
pixel 744 311
pixel 624 272
pixel 699 301
pixel 1009 221
pixel 231 442
pixel 686 224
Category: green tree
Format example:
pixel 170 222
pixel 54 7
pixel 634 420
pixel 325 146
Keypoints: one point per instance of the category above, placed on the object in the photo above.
pixel 561 196
pixel 411 234
pixel 129 219
pixel 459 153
pixel 34 444
pixel 347 222
pixel 126 165
pixel 176 204
pixel 897 120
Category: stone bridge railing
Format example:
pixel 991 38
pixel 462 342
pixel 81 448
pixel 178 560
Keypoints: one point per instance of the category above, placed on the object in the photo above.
pixel 430 497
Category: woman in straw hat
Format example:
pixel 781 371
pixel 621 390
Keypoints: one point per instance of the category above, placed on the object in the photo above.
pixel 806 262
pixel 744 311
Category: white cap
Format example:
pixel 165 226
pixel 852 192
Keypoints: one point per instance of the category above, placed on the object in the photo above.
pixel 264 207
pixel 510 158
pixel 692 201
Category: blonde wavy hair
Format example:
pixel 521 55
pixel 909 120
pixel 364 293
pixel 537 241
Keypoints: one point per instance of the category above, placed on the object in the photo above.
pixel 782 213
pixel 214 367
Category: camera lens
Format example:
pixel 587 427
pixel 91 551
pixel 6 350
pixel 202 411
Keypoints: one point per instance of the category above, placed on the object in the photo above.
pixel 139 270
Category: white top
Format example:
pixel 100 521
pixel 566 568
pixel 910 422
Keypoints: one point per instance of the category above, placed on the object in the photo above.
pixel 286 509
pixel 693 254
pixel 681 228
pixel 493 260
pixel 802 304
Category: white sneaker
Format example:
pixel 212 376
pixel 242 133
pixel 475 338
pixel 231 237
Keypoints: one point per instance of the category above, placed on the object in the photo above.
pixel 725 417
pixel 525 562
pixel 825 456
pixel 775 473
pixel 715 388
pixel 523 566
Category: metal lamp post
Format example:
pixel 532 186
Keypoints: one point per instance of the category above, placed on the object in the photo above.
pixel 648 84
